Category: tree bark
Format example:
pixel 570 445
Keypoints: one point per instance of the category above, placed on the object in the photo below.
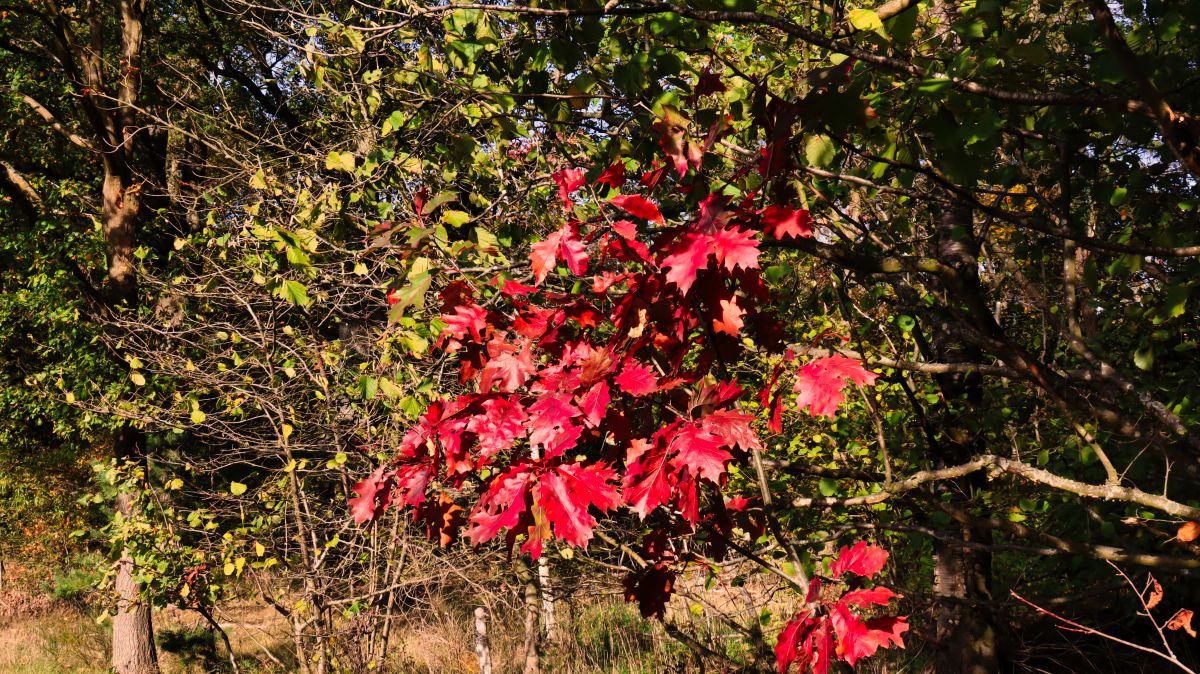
pixel 133 649
pixel 966 633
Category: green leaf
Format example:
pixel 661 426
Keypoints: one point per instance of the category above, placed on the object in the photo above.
pixel 819 151
pixel 828 487
pixel 295 293
pixel 394 122
pixel 367 386
pixel 1144 358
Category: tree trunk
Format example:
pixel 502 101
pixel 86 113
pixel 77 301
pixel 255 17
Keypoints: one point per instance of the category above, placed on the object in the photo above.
pixel 966 633
pixel 133 649
pixel 533 631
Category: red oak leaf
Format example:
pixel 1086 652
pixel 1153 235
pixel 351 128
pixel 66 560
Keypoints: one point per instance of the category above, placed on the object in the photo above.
pixel 821 381
pixel 730 321
pixel 508 366
pixel 651 178
pixel 857 639
pixel 647 484
pixel 736 248
pixel 713 214
pixel 502 422
pixel 636 379
pixel 614 175
pixel 550 425
pixel 514 289
pixel 699 452
pixel 568 180
pixel 594 404
pixel 467 319
pixel 638 207
pixel 566 494
pixel 651 588
pixel 782 222
pixel 709 83
pixel 733 428
pixel 864 598
pixel 501 507
pixel 862 559
pixel 564 244
pixel 625 228
pixel 364 506
pixel 788 643
pixel 690 254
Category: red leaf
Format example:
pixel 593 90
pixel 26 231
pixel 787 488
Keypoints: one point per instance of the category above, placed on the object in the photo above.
pixel 513 289
pixel 646 482
pixel 782 222
pixel 699 452
pixel 568 180
pixel 713 214
pixel 550 424
pixel 637 206
pixel 651 178
pixel 736 248
pixel 625 228
pixel 866 597
pixel 565 496
pixel 730 321
pixel 363 507
pixel 468 319
pixel 789 640
pixel 636 379
pixel 594 403
pixel 709 83
pixel 508 366
pixel 862 559
pixel 1188 532
pixel 858 639
pixel 502 422
pixel 501 507
pixel 821 381
pixel 651 588
pixel 733 428
pixel 613 176
pixel 564 244
pixel 690 255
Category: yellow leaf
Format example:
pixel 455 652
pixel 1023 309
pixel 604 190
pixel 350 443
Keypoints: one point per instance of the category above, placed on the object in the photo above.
pixel 259 181
pixel 865 19
pixel 259 549
pixel 137 378
pixel 287 432
pixel 198 416
pixel 340 160
pixel 237 488
pixel 229 568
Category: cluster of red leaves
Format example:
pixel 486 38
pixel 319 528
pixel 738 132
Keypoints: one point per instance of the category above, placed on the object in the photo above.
pixel 830 627
pixel 580 403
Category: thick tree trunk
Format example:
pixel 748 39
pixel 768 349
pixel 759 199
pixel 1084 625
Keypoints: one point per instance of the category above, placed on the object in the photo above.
pixel 966 632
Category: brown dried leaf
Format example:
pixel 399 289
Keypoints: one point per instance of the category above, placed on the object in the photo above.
pixel 1188 532
pixel 1182 620
pixel 1156 593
